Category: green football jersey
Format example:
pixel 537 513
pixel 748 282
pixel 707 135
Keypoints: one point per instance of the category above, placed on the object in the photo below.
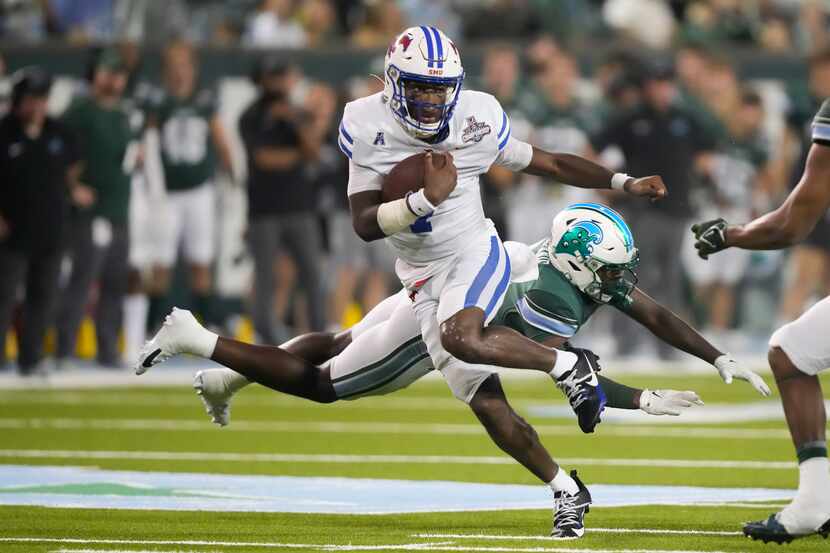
pixel 545 307
pixel 187 151
pixel 104 135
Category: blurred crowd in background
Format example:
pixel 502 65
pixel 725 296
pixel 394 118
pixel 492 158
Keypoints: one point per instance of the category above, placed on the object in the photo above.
pixel 725 145
pixel 774 25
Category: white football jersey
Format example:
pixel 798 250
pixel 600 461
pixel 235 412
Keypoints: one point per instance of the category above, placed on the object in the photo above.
pixel 479 135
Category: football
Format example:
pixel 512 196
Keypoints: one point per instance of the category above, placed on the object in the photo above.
pixel 408 176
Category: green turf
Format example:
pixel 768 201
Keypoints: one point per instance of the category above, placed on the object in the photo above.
pixel 429 422
pixel 377 530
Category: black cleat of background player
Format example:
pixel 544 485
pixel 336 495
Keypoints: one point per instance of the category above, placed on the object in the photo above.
pixel 770 530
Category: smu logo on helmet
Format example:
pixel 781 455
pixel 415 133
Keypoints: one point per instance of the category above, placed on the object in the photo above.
pixel 579 239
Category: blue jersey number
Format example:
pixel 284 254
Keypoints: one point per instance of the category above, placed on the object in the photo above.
pixel 421 225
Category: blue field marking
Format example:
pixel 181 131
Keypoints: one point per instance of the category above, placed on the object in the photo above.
pixel 91 488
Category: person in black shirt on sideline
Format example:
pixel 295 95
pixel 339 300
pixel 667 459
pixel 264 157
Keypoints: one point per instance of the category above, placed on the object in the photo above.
pixel 279 139
pixel 659 137
pixel 38 167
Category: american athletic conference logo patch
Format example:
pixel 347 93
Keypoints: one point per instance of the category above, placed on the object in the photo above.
pixel 474 131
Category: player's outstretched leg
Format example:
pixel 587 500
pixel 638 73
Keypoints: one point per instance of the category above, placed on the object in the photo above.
pixel 216 387
pixel 517 438
pixel 809 512
pixel 284 369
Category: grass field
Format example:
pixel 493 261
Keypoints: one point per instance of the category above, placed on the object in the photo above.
pixel 421 434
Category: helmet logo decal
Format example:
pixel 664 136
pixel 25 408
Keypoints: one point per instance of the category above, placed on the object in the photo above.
pixel 405 41
pixel 579 239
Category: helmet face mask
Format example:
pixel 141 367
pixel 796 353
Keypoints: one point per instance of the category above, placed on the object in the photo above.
pixel 614 282
pixel 592 246
pixel 422 81
pixel 427 103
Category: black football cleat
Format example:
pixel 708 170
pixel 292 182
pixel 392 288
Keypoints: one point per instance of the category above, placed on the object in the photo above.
pixel 771 530
pixel 580 385
pixel 569 512
pixel 824 530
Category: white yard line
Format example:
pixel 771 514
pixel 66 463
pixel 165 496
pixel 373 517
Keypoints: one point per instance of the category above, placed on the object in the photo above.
pixel 128 551
pixel 588 530
pixel 379 459
pixel 178 425
pixel 429 546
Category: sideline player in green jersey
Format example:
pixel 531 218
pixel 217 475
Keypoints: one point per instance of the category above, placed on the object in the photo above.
pixel 555 287
pixel 191 138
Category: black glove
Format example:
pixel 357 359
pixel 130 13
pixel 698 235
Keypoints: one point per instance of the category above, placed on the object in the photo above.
pixel 711 237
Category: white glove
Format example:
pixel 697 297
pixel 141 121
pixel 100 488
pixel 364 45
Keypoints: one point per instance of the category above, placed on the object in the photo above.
pixel 729 369
pixel 667 402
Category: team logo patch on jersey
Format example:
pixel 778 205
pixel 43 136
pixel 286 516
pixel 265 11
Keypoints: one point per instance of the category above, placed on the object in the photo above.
pixel 379 139
pixel 474 131
pixel 580 239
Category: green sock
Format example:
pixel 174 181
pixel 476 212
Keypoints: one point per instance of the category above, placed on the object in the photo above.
pixel 811 450
pixel 619 395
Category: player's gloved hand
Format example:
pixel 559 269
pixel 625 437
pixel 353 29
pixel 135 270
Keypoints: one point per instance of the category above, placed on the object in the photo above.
pixel 667 402
pixel 711 237
pixel 729 369
pixel 651 187
pixel 439 183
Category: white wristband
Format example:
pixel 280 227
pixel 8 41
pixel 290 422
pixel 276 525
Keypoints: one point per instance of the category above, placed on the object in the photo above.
pixel 618 181
pixel 395 216
pixel 419 204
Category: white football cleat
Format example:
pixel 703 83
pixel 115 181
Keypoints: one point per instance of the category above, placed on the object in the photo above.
pixel 180 333
pixel 214 390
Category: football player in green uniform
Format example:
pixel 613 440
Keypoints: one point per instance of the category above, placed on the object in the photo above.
pixel 556 286
pixel 191 138
pixel 798 350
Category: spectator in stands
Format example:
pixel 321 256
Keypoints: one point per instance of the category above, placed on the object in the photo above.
pixel 273 26
pixel 318 19
pixel 81 22
pixel 279 139
pixel 383 20
pixel 98 241
pixel 811 30
pixel 660 137
pixel 38 163
pixel 627 17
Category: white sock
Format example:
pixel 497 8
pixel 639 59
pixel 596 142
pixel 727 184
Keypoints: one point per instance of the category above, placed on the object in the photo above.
pixel 135 324
pixel 814 481
pixel 204 342
pixel 562 482
pixel 233 380
pixel 565 361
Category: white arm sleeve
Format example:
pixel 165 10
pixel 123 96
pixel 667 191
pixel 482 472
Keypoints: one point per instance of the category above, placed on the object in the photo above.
pixel 515 155
pixel 362 179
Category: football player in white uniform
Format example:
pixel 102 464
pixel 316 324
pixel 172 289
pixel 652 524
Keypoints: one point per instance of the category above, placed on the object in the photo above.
pixel 798 350
pixel 450 258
